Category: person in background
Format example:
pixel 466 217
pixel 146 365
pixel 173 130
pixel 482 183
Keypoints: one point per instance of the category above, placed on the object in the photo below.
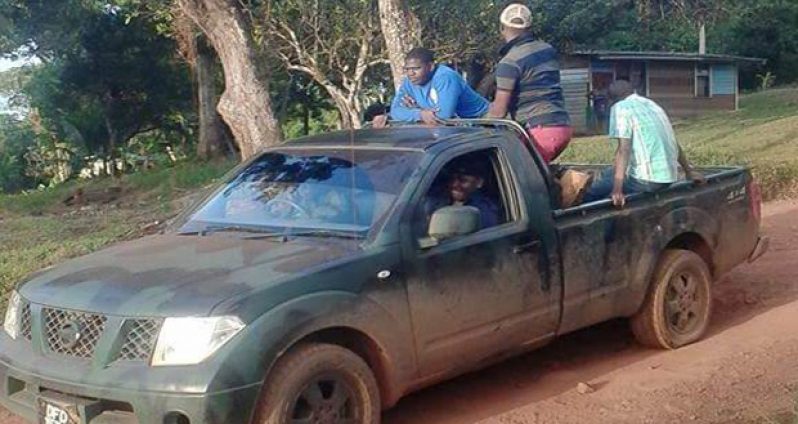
pixel 648 155
pixel 373 111
pixel 431 92
pixel 528 84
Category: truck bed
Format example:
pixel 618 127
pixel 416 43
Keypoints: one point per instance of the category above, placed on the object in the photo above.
pixel 714 175
pixel 608 253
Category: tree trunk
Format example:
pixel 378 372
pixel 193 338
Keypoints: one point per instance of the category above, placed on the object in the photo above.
pixel 211 128
pixel 400 30
pixel 305 119
pixel 245 104
pixel 113 141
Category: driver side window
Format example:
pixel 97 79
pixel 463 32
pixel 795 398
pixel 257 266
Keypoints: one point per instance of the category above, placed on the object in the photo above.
pixel 472 179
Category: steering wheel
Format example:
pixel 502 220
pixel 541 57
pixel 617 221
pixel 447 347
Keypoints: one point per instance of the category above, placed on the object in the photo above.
pixel 303 213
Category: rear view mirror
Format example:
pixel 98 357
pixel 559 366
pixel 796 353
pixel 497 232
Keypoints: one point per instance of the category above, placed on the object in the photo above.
pixel 453 221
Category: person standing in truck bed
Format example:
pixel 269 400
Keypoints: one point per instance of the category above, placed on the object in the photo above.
pixel 528 85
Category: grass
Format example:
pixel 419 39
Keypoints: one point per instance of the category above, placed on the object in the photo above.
pixel 37 230
pixel 30 243
pixel 763 134
pixel 158 184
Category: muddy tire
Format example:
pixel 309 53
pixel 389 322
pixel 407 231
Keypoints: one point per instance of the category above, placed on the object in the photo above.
pixel 320 383
pixel 678 305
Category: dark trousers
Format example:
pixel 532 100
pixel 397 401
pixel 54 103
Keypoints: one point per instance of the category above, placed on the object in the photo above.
pixel 603 184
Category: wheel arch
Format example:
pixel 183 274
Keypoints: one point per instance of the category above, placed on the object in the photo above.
pixel 687 228
pixel 364 346
pixel 695 243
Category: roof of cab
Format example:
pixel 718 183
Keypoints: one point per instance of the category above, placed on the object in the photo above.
pixel 415 137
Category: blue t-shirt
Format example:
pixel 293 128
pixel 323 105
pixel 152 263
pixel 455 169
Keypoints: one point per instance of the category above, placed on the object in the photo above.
pixel 446 93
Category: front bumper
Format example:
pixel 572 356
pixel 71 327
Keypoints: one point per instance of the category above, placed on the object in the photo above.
pixel 20 392
pixel 762 246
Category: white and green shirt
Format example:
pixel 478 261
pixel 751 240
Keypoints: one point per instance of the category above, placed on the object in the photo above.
pixel 655 152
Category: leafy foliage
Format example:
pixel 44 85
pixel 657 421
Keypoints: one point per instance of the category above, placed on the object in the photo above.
pixel 110 80
pixel 15 137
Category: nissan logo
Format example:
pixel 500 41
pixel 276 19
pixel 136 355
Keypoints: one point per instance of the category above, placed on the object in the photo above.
pixel 70 333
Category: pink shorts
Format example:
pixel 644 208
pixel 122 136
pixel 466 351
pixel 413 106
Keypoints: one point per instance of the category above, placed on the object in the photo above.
pixel 550 141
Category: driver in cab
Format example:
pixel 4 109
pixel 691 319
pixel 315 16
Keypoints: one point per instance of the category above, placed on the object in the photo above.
pixel 301 202
pixel 463 188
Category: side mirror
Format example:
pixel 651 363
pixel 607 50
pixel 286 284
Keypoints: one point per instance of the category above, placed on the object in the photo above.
pixel 453 221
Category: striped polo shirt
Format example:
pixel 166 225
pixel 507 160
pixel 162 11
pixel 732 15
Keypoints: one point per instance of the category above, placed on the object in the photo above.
pixel 530 69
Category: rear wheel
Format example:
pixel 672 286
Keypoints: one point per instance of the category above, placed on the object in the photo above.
pixel 678 306
pixel 320 384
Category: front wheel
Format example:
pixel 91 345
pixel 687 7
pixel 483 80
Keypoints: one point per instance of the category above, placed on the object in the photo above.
pixel 678 306
pixel 320 384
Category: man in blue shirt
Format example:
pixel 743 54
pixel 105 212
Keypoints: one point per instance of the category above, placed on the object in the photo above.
pixel 432 92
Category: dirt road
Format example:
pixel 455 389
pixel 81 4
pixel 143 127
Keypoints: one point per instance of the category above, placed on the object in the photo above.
pixel 744 371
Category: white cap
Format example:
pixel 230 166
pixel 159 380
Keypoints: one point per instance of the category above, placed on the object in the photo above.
pixel 516 16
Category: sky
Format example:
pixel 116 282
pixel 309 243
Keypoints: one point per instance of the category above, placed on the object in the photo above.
pixel 6 64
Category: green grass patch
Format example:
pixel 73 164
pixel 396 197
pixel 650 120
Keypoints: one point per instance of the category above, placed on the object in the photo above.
pixel 37 230
pixel 163 184
pixel 762 135
pixel 31 243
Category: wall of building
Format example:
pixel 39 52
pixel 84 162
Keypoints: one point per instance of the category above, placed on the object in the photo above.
pixel 574 84
pixel 673 86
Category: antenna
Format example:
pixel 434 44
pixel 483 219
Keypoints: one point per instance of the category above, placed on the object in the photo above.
pixel 352 197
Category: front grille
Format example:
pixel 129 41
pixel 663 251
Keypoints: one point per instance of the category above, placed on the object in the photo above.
pixel 72 333
pixel 139 340
pixel 26 322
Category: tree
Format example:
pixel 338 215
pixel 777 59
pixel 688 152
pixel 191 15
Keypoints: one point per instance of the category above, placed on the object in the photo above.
pixel 129 71
pixel 15 138
pixel 202 59
pixel 766 29
pixel 334 42
pixel 36 27
pixel 245 104
pixel 401 31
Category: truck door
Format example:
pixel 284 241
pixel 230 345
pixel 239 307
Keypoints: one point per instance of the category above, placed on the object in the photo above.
pixel 482 294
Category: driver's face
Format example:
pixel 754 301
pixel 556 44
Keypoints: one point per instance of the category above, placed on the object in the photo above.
pixel 461 186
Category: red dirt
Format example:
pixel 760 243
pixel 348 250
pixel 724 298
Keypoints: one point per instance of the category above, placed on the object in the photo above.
pixel 744 371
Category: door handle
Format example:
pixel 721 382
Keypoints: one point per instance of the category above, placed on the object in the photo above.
pixel 526 247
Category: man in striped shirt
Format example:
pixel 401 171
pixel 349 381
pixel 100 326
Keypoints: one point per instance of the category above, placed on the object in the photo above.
pixel 528 84
pixel 648 155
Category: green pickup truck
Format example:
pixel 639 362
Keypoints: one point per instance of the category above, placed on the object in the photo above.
pixel 327 277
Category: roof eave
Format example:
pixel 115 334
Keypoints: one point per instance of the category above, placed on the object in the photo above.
pixel 671 57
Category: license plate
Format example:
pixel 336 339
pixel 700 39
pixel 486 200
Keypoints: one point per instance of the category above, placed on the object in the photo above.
pixel 57 413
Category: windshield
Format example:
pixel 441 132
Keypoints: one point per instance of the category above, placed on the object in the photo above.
pixel 298 190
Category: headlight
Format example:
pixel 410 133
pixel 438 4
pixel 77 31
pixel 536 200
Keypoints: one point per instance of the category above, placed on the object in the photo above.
pixel 11 324
pixel 188 341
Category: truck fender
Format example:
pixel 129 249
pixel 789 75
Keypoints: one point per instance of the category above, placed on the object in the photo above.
pixel 671 227
pixel 278 330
